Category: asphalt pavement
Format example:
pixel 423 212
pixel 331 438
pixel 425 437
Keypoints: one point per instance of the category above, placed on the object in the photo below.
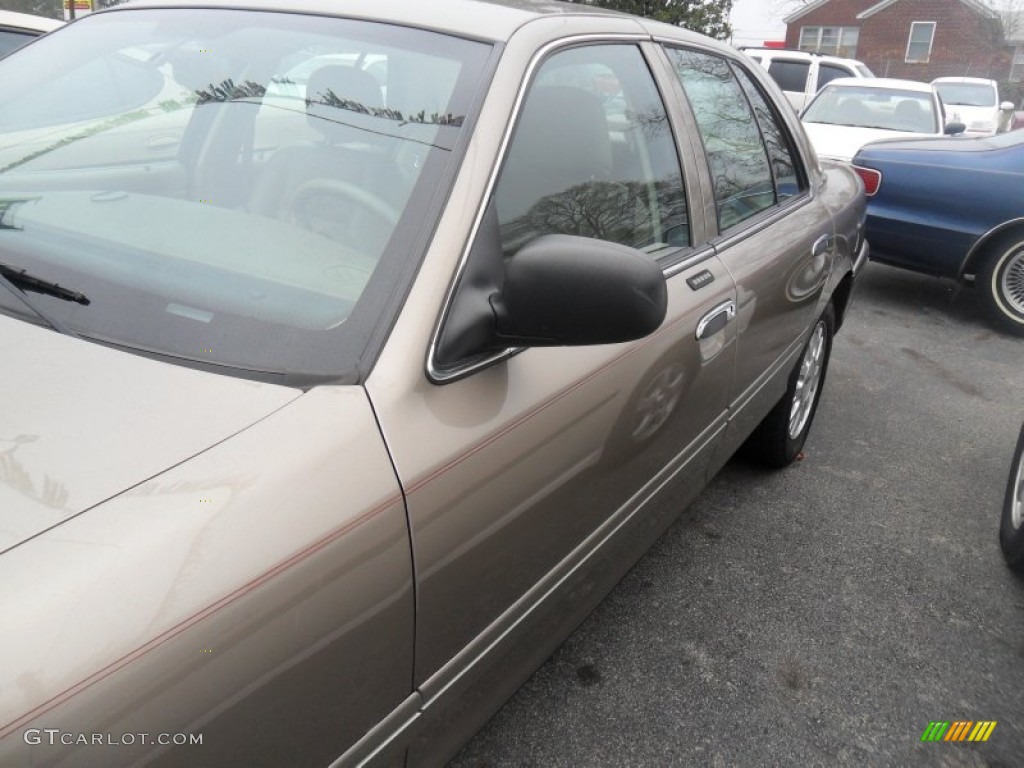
pixel 823 615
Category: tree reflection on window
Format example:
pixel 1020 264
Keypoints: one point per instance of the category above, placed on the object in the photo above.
pixel 737 158
pixel 593 156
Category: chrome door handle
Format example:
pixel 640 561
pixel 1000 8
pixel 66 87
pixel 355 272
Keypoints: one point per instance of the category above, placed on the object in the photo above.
pixel 822 245
pixel 716 319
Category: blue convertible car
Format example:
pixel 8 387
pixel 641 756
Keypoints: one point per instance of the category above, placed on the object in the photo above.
pixel 952 207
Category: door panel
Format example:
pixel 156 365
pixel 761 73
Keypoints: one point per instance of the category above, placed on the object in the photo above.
pixel 778 287
pixel 775 238
pixel 518 538
pixel 542 449
pixel 509 470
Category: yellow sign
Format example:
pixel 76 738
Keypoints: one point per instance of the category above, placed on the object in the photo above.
pixel 82 7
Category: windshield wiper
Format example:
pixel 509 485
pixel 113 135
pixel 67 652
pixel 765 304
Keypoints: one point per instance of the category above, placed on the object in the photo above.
pixel 21 279
pixel 18 281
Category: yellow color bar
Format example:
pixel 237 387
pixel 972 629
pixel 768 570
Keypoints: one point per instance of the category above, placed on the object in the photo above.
pixel 982 730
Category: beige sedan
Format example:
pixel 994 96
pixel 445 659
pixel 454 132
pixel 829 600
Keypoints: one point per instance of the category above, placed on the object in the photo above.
pixel 338 388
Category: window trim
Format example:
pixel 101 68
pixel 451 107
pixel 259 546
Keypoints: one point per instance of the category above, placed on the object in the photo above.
pixel 910 41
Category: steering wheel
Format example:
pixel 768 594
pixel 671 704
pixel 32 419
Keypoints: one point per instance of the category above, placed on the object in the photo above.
pixel 298 205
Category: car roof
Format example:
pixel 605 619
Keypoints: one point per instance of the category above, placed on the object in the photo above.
pixel 890 83
pixel 481 19
pixel 792 52
pixel 28 21
pixel 978 80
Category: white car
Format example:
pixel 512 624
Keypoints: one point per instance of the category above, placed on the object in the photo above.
pixel 974 101
pixel 851 112
pixel 16 29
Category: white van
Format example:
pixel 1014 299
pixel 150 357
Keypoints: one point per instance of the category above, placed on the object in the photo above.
pixel 974 101
pixel 800 74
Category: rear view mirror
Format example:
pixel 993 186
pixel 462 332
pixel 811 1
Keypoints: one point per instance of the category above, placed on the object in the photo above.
pixel 952 129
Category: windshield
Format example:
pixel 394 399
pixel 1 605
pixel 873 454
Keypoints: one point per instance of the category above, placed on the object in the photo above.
pixel 866 107
pixel 229 188
pixel 967 94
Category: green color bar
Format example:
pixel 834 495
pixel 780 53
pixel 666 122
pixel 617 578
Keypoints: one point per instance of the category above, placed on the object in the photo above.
pixel 935 731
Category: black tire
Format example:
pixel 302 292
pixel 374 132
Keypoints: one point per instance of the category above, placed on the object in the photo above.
pixel 1011 529
pixel 779 438
pixel 1002 282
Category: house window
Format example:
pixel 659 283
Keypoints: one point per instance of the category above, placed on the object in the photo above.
pixel 837 41
pixel 1017 70
pixel 919 46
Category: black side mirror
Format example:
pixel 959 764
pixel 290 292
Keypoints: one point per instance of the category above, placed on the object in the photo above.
pixel 952 129
pixel 562 290
pixel 558 290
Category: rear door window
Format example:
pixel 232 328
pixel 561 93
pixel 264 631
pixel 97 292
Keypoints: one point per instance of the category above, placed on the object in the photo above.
pixel 829 72
pixel 737 158
pixel 790 75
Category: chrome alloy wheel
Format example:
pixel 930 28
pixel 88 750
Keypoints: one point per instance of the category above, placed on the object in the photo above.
pixel 658 402
pixel 1012 281
pixel 808 380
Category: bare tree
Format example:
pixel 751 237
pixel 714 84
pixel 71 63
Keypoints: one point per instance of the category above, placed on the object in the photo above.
pixel 1011 16
pixel 786 7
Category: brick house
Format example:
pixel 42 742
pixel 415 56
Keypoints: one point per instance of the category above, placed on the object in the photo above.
pixel 914 39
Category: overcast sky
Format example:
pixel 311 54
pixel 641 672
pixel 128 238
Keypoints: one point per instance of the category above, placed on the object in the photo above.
pixel 754 21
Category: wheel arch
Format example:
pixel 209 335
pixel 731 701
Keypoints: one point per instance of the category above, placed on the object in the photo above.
pixel 841 299
pixel 972 262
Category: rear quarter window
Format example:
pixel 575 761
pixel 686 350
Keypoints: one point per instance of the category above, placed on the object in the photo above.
pixel 11 39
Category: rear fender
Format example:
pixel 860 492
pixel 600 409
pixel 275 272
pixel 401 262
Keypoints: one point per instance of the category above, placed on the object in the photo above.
pixel 972 262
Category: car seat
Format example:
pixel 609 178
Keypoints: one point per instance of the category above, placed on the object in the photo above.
pixel 910 116
pixel 349 158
